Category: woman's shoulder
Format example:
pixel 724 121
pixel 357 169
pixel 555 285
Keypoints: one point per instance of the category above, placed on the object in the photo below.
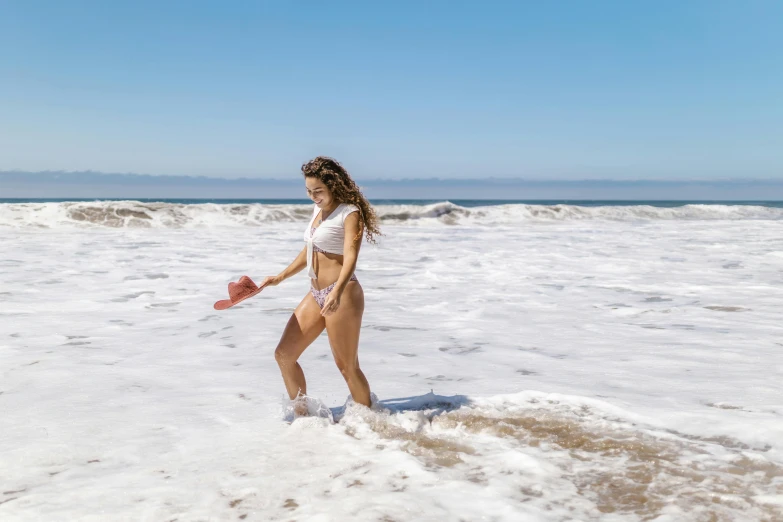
pixel 347 209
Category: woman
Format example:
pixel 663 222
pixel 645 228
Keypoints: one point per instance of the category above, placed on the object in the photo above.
pixel 336 299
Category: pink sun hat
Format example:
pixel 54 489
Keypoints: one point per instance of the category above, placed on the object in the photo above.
pixel 238 292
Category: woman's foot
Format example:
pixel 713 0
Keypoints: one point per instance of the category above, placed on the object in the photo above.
pixel 300 407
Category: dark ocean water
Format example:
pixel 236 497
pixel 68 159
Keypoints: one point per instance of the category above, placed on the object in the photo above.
pixel 460 202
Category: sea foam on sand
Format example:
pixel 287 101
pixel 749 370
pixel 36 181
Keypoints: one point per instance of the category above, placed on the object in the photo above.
pixel 560 369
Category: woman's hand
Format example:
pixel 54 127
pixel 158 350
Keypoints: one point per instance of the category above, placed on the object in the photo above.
pixel 271 281
pixel 332 303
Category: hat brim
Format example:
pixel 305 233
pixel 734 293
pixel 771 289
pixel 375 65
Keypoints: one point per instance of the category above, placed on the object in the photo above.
pixel 228 303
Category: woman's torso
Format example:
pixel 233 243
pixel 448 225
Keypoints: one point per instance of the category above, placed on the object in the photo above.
pixel 327 238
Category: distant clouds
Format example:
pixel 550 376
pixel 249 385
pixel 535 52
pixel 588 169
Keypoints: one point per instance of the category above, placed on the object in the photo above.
pixel 17 184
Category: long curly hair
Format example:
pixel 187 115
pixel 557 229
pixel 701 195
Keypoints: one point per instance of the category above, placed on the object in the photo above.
pixel 344 190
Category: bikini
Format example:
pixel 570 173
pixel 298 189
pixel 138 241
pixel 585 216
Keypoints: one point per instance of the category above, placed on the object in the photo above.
pixel 328 238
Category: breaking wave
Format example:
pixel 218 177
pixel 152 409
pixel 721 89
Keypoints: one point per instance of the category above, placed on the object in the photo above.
pixel 136 214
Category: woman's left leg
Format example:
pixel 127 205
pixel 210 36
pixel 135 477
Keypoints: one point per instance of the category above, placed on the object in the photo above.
pixel 343 328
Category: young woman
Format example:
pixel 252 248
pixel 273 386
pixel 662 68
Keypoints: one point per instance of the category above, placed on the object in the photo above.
pixel 336 300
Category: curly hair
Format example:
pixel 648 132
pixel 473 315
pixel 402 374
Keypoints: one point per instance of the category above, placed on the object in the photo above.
pixel 344 190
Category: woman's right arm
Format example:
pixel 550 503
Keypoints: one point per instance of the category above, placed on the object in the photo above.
pixel 295 267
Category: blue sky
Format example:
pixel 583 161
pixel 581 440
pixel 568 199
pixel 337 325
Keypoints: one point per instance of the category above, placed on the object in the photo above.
pixel 538 90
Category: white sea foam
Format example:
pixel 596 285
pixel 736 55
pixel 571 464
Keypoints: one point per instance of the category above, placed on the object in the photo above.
pixel 135 214
pixel 576 369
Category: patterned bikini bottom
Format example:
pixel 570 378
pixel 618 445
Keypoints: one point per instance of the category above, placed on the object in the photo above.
pixel 320 295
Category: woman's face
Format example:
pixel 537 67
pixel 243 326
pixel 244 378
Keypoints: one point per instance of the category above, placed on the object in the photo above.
pixel 318 192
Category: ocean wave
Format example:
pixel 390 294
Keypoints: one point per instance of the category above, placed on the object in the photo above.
pixel 136 214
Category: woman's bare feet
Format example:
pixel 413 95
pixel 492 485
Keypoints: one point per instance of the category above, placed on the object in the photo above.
pixel 300 406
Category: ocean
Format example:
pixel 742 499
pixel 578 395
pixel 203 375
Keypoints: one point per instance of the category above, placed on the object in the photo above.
pixel 532 360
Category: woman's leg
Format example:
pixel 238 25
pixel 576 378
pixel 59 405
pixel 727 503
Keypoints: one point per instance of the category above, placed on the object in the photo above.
pixel 304 327
pixel 343 329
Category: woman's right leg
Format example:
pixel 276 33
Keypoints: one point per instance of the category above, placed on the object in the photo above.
pixel 304 327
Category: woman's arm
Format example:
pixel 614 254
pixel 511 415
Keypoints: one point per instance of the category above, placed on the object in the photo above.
pixel 295 267
pixel 353 241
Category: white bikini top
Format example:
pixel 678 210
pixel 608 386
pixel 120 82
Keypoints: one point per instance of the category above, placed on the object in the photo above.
pixel 329 236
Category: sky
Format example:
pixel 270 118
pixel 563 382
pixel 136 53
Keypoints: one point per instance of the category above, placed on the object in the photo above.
pixel 536 90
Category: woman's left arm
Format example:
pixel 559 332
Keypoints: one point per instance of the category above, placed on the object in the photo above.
pixel 352 242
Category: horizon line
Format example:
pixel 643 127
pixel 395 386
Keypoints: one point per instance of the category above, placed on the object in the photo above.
pixel 436 200
pixel 152 177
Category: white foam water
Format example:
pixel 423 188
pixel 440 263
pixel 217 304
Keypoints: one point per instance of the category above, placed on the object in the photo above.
pixel 305 406
pixel 135 214
pixel 574 369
